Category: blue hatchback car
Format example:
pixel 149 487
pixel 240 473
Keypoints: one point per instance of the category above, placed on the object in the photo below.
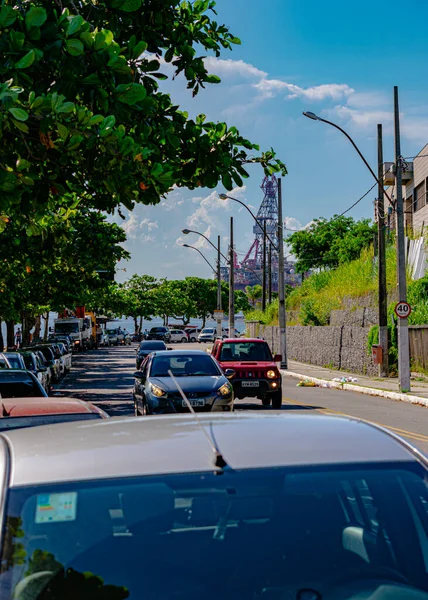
pixel 206 386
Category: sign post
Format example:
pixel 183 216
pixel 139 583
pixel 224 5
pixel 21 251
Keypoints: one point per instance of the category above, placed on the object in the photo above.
pixel 218 316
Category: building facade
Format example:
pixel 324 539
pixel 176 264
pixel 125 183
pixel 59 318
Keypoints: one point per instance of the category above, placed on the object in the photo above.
pixel 415 193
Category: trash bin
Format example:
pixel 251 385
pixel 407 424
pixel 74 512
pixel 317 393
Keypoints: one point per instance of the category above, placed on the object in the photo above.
pixel 377 354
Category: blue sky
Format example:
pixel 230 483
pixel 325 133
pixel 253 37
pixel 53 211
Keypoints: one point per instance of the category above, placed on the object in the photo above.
pixel 338 59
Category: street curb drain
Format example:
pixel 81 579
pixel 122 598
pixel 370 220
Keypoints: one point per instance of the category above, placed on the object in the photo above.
pixel 351 387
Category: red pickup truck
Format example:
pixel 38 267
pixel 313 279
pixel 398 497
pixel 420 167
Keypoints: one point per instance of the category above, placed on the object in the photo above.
pixel 256 372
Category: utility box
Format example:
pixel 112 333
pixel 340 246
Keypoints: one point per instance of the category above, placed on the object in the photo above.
pixel 377 354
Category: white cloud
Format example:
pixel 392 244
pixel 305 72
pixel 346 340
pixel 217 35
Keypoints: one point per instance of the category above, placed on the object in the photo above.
pixel 363 118
pixel 232 68
pixel 292 224
pixel 134 228
pixel 333 91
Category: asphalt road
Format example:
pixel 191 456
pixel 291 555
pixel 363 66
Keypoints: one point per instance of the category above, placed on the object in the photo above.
pixel 104 377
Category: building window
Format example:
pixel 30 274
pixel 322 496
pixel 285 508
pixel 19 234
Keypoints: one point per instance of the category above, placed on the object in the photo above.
pixel 419 197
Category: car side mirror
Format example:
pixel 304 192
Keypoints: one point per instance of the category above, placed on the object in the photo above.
pixel 229 373
pixel 139 375
pixel 169 348
pixel 277 358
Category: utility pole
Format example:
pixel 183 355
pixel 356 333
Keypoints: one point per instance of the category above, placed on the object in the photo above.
pixel 264 268
pixel 281 283
pixel 270 273
pixel 231 284
pixel 219 332
pixel 383 299
pixel 403 325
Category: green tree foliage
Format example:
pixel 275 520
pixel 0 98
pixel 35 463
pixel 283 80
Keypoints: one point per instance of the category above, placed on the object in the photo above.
pixel 82 119
pixel 329 243
pixel 254 293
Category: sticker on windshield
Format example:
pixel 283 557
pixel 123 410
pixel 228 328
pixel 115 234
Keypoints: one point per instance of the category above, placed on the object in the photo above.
pixel 56 508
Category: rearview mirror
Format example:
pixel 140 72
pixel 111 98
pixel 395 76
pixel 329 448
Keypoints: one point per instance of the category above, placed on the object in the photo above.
pixel 277 358
pixel 229 373
pixel 139 375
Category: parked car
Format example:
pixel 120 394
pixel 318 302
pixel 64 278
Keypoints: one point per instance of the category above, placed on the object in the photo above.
pixel 256 372
pixel 104 339
pixel 15 360
pixel 116 336
pixel 159 333
pixel 209 334
pixel 33 364
pixel 178 335
pixel 15 383
pixel 200 377
pixel 19 413
pixel 65 339
pixel 146 348
pixel 300 507
pixel 66 356
pixel 127 338
pixel 51 361
pixel 193 333
pixel 43 362
pixel 4 363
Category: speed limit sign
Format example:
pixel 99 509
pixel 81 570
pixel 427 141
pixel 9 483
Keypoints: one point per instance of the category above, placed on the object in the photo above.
pixel 402 310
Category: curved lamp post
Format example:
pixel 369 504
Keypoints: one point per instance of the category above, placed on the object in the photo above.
pixel 205 259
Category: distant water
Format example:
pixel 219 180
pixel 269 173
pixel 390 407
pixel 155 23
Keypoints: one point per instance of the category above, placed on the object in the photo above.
pixel 128 323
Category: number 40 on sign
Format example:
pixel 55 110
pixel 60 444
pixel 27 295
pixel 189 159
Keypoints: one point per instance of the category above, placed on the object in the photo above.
pixel 402 310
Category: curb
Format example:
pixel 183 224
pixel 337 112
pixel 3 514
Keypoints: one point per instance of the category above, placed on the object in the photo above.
pixel 351 387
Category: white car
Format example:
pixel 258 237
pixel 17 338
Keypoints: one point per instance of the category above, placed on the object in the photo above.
pixel 209 334
pixel 193 333
pixel 179 335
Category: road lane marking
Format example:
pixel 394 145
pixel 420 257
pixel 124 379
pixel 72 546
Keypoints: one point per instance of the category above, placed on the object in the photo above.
pixel 420 437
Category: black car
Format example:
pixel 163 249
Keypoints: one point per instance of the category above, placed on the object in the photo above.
pixel 146 348
pixel 15 383
pixel 159 333
pixel 200 377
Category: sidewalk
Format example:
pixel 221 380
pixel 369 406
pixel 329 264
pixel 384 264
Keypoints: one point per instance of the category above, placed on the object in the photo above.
pixel 385 387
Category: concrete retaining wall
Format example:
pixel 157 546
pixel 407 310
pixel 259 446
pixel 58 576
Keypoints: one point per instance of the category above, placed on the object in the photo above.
pixel 338 347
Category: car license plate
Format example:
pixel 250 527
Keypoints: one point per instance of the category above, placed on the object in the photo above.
pixel 195 403
pixel 250 383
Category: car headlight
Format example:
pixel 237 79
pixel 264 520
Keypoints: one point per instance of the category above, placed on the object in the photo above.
pixel 157 391
pixel 225 389
pixel 271 374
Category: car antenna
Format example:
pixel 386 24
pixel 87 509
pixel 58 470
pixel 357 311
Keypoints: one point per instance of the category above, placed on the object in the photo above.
pixel 219 460
pixel 4 412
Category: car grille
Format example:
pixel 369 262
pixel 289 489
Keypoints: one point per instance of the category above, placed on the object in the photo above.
pixel 245 374
pixel 190 395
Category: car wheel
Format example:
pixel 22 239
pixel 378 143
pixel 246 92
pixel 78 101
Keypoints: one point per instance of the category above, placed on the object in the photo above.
pixel 277 400
pixel 266 401
pixel 183 340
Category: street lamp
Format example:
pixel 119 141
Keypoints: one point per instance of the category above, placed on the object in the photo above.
pixel 404 359
pixel 281 284
pixel 187 231
pixel 205 259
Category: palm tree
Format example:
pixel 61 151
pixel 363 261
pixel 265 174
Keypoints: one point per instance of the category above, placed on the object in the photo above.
pixel 254 293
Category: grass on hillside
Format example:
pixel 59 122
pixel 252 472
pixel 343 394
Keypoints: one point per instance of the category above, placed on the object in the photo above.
pixel 328 290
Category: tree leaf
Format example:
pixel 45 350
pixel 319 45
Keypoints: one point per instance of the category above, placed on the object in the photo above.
pixel 67 107
pixel 74 47
pixel 131 93
pixel 26 61
pixel 22 164
pixel 74 24
pixel 63 131
pixel 127 5
pixel 35 17
pixel 19 113
pixel 7 16
pixel 21 126
pixel 212 79
pixel 227 181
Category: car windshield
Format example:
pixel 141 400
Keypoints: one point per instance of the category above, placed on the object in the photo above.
pixel 111 331
pixel 279 531
pixel 184 366
pixel 15 361
pixel 242 351
pixel 152 346
pixel 207 330
pixel 28 360
pixel 157 329
pixel 67 327
pixel 9 423
pixel 17 385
